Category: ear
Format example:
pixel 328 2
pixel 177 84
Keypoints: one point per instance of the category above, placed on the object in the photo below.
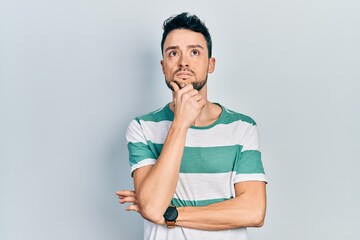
pixel 162 66
pixel 211 67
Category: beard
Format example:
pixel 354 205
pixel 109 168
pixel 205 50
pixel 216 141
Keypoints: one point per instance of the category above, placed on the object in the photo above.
pixel 198 85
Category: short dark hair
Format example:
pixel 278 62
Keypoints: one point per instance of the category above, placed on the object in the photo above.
pixel 186 21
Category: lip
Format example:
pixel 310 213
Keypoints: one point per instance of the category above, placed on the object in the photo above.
pixel 183 73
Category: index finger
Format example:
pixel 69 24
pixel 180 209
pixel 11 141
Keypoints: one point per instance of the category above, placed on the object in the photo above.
pixel 187 87
pixel 174 86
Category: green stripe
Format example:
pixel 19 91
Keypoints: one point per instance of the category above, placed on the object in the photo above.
pixel 209 159
pixel 232 116
pixel 204 159
pixel 250 162
pixel 157 116
pixel 192 203
pixel 139 151
pixel 227 116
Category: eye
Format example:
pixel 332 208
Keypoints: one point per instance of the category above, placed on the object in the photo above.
pixel 172 54
pixel 195 52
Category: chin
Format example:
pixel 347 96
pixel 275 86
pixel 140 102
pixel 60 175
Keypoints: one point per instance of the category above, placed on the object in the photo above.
pixel 198 85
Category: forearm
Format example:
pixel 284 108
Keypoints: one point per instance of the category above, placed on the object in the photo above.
pixel 155 185
pixel 238 212
pixel 158 186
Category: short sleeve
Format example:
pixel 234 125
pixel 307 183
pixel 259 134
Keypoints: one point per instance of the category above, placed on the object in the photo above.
pixel 140 154
pixel 248 165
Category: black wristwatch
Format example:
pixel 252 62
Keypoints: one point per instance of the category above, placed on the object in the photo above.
pixel 170 216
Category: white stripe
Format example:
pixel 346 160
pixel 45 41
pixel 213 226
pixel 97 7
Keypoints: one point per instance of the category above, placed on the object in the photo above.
pixel 250 177
pixel 154 231
pixel 156 111
pixel 142 163
pixel 229 111
pixel 238 132
pixel 156 132
pixel 194 186
pixel 134 133
pixel 251 139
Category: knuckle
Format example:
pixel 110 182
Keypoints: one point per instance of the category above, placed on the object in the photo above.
pixel 185 96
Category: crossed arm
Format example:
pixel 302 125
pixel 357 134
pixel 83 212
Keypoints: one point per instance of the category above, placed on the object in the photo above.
pixel 152 194
pixel 247 209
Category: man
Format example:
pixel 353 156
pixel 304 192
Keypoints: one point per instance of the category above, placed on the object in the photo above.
pixel 196 165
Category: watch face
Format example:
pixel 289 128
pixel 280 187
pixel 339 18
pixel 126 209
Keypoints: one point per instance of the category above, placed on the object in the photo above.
pixel 171 214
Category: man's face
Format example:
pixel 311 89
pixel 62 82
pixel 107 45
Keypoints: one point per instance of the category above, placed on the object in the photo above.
pixel 186 59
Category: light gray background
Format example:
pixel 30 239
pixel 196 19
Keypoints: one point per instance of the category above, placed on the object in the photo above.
pixel 74 73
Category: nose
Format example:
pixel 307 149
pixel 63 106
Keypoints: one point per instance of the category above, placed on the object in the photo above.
pixel 183 62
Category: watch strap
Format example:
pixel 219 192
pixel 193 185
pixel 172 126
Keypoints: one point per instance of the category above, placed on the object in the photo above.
pixel 170 224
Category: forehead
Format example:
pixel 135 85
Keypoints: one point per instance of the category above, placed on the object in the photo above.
pixel 184 37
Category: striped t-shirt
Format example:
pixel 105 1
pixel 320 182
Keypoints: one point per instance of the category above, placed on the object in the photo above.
pixel 215 158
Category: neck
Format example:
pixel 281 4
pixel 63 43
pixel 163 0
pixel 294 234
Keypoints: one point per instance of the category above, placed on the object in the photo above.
pixel 208 115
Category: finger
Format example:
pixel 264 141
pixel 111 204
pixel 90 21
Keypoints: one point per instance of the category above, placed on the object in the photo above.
pixel 133 208
pixel 187 88
pixel 202 103
pixel 121 196
pixel 125 193
pixel 197 97
pixel 128 200
pixel 192 92
pixel 122 192
pixel 125 198
pixel 174 86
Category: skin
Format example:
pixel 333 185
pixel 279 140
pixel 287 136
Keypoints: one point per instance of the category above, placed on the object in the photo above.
pixel 179 55
pixel 186 64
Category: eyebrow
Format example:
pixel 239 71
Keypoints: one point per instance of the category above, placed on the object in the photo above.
pixel 189 46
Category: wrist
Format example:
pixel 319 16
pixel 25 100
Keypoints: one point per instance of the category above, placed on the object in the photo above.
pixel 182 215
pixel 179 126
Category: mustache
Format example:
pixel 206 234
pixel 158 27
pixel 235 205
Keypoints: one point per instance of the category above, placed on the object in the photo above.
pixel 184 70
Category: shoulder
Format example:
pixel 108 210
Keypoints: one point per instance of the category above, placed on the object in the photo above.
pixel 161 114
pixel 135 130
pixel 233 116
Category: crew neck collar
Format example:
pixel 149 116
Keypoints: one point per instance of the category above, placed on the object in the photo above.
pixel 168 110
